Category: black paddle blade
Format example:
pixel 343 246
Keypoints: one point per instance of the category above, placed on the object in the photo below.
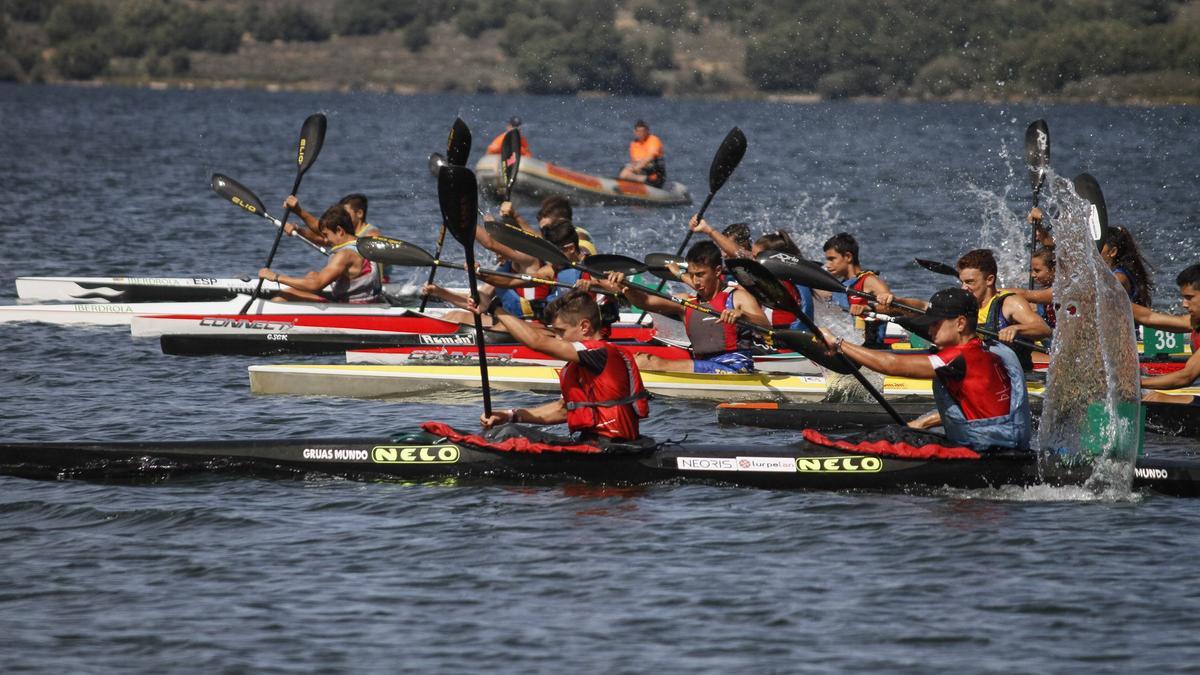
pixel 762 284
pixel 611 262
pixel 312 137
pixel 520 240
pixel 728 156
pixel 388 251
pixel 1087 187
pixel 237 193
pixel 815 350
pixel 510 157
pixel 937 267
pixel 659 264
pixel 800 271
pixel 458 195
pixel 1037 152
pixel 458 145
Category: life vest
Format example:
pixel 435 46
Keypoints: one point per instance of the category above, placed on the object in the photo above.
pixel 783 319
pixel 365 288
pixel 873 331
pixel 650 150
pixel 498 142
pixel 1133 284
pixel 526 302
pixel 1046 311
pixel 609 403
pixel 991 317
pixel 366 230
pixel 989 375
pixel 1195 340
pixel 711 336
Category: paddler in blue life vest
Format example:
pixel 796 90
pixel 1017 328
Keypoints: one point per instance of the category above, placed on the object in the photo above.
pixel 979 389
pixel 1004 313
pixel 346 277
pixel 842 261
pixel 1189 292
pixel 602 392
pixel 719 345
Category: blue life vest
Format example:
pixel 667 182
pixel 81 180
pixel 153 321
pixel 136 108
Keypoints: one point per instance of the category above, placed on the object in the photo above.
pixel 1014 430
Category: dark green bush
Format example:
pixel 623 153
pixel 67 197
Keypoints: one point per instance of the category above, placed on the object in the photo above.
pixel 81 58
pixel 71 19
pixel 289 22
pixel 416 35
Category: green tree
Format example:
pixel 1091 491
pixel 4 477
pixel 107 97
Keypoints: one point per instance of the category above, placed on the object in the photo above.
pixel 75 18
pixel 81 58
pixel 290 22
pixel 416 35
pixel 33 11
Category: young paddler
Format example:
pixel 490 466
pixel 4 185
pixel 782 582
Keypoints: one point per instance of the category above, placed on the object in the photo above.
pixel 841 260
pixel 346 277
pixel 602 392
pixel 1005 313
pixel 979 389
pixel 719 345
pixel 1189 292
pixel 355 205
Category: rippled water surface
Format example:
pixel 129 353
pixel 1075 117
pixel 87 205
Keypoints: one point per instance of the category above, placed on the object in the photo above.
pixel 326 574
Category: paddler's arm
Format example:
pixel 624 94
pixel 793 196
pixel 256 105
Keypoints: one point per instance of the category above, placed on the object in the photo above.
pixel 1168 322
pixel 728 247
pixel 888 363
pixel 1023 321
pixel 508 210
pixel 745 306
pixel 313 282
pixel 546 271
pixel 1179 379
pixel 485 240
pixel 311 231
pixel 535 339
pixel 927 421
pixel 1039 296
pixel 554 412
pixel 648 302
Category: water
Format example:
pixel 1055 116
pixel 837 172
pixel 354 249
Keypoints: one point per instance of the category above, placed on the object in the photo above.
pixel 325 574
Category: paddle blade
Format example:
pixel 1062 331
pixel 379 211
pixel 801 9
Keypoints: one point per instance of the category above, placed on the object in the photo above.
pixel 937 267
pixel 762 284
pixel 510 156
pixel 611 262
pixel 815 350
pixel 728 156
pixel 520 240
pixel 1087 187
pixel 240 195
pixel 388 251
pixel 458 144
pixel 660 264
pixel 799 271
pixel 1037 153
pixel 458 195
pixel 312 137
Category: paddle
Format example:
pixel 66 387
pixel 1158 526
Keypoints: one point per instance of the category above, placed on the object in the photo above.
pixel 758 280
pixel 312 137
pixel 1087 187
pixel 510 160
pixel 388 251
pixel 1037 158
pixel 659 264
pixel 458 151
pixel 937 267
pixel 242 197
pixel 458 196
pixel 727 158
pixel 814 276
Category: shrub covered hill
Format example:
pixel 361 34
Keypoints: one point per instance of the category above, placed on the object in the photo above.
pixel 1102 50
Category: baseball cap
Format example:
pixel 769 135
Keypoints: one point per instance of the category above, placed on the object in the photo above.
pixel 948 303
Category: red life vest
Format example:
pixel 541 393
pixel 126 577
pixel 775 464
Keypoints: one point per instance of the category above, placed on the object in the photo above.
pixel 780 318
pixel 711 336
pixel 609 403
pixel 1195 340
pixel 979 382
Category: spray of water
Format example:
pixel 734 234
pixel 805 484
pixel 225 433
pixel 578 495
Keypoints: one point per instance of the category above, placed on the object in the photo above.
pixel 841 388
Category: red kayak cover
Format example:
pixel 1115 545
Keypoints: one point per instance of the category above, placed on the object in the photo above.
pixel 896 442
pixel 512 444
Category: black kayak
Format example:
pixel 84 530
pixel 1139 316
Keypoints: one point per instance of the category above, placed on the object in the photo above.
pixel 420 456
pixel 275 344
pixel 1161 418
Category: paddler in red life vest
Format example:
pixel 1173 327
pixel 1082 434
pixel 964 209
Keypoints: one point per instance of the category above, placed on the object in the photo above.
pixel 979 390
pixel 841 260
pixel 1189 292
pixel 647 162
pixel 346 277
pixel 1004 313
pixel 719 345
pixel 498 142
pixel 602 392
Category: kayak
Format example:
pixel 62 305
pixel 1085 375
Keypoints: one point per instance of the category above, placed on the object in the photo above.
pixel 805 465
pixel 380 381
pixel 159 289
pixel 1161 418
pixel 539 179
pixel 122 313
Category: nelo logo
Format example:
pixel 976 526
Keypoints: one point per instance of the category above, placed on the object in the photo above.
pixel 418 454
pixel 839 464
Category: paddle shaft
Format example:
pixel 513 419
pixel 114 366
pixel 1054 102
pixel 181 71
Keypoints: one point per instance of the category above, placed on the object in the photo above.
pixel 1033 228
pixel 512 275
pixel 433 269
pixel 482 348
pixel 682 247
pixel 275 246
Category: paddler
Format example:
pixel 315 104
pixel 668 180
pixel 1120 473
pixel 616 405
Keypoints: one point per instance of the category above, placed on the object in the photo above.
pixel 979 389
pixel 1121 252
pixel 498 142
pixel 602 392
pixel 1005 313
pixel 553 208
pixel 355 205
pixel 719 345
pixel 647 162
pixel 1189 292
pixel 842 261
pixel 346 277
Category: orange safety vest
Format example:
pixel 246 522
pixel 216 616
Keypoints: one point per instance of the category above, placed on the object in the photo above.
pixel 494 148
pixel 640 151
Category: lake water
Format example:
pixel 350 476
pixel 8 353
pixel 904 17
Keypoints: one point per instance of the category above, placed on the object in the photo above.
pixel 328 575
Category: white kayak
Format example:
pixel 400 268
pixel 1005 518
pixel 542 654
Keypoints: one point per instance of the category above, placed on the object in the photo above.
pixel 156 289
pixel 539 179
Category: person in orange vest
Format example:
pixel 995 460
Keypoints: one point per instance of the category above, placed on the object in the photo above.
pixel 513 123
pixel 647 163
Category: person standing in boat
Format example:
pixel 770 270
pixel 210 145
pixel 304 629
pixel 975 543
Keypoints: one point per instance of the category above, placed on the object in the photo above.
pixel 498 142
pixel 346 277
pixel 842 261
pixel 1005 313
pixel 719 345
pixel 602 392
pixel 1189 292
pixel 647 161
pixel 979 389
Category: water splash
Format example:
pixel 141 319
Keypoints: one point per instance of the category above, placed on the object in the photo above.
pixel 1090 417
pixel 840 388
